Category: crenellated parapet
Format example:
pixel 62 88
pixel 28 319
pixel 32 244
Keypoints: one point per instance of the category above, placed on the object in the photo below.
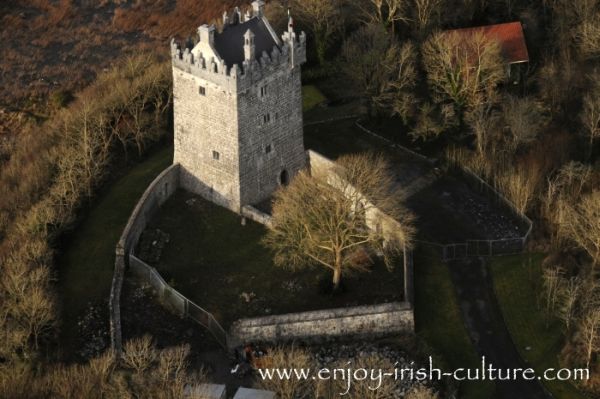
pixel 205 60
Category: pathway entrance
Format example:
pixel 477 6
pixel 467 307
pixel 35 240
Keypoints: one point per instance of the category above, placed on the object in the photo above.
pixel 484 322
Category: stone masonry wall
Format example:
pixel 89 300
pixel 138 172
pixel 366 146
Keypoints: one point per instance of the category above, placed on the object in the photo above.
pixel 155 195
pixel 225 110
pixel 356 322
pixel 267 148
pixel 203 124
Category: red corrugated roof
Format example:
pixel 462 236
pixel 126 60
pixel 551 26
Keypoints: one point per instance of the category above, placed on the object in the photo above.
pixel 509 35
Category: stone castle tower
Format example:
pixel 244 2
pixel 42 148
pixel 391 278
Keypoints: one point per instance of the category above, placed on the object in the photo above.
pixel 238 109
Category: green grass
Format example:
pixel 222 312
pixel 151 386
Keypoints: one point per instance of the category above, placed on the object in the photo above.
pixel 311 97
pixel 438 322
pixel 213 260
pixel 85 268
pixel 517 282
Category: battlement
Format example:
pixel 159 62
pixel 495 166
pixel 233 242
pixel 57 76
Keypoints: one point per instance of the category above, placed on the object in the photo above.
pixel 219 57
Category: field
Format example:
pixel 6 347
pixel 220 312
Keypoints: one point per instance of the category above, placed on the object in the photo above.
pixel 52 49
pixel 223 267
pixel 517 282
pixel 439 323
pixel 85 268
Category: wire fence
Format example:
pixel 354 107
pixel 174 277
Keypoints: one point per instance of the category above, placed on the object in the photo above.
pixel 176 301
pixel 490 247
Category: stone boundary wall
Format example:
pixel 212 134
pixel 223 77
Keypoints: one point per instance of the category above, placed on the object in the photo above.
pixel 478 247
pixel 394 144
pixel 252 213
pixel 176 301
pixel 483 247
pixel 155 195
pixel 357 322
pixel 376 219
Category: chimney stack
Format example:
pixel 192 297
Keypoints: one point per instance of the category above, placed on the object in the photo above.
pixel 249 49
pixel 207 34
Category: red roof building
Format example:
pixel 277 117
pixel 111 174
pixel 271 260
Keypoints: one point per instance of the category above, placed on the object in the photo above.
pixel 509 35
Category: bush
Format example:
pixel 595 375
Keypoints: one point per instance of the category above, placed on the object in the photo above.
pixel 61 98
pixel 51 174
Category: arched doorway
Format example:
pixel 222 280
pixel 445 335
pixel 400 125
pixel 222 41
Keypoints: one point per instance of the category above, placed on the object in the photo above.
pixel 284 178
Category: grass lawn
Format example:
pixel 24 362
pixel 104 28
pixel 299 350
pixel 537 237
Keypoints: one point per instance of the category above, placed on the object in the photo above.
pixel 85 268
pixel 223 267
pixel 517 282
pixel 311 97
pixel 439 323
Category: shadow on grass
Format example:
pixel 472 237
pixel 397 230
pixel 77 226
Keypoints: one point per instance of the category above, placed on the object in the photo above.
pixel 85 268
pixel 518 284
pixel 223 267
pixel 438 322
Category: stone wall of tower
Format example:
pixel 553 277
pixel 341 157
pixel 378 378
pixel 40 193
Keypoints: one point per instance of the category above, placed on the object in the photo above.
pixel 205 123
pixel 229 118
pixel 270 133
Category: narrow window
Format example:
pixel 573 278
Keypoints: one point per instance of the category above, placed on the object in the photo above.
pixel 266 118
pixel 202 90
pixel 284 178
pixel 263 91
pixel 268 148
pixel 216 155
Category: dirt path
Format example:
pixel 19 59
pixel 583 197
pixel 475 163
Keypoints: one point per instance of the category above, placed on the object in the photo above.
pixel 486 327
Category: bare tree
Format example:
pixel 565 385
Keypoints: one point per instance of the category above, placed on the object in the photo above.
pixel 325 217
pixel 588 36
pixel 590 118
pixel 287 357
pixel 429 124
pixel 139 354
pixel 363 389
pixel 519 184
pixel 524 120
pixel 323 18
pixel 483 121
pixel 551 281
pixel 582 224
pixel 463 70
pixel 424 14
pixel 382 70
pixel 564 188
pixel 568 295
pixel 589 327
pixel 422 392
pixel 383 12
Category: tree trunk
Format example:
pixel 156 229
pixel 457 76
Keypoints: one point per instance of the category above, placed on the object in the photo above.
pixel 337 271
pixel 337 277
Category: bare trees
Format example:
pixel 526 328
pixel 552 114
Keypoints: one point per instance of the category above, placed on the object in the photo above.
pixel 582 224
pixel 424 13
pixel 524 119
pixel 51 183
pixel 565 187
pixel 551 282
pixel 568 296
pixel 324 20
pixel 324 218
pixel 589 325
pixel 139 354
pixel 590 118
pixel 288 357
pixel 464 71
pixel 383 12
pixel 382 70
pixel 157 373
pixel 294 357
